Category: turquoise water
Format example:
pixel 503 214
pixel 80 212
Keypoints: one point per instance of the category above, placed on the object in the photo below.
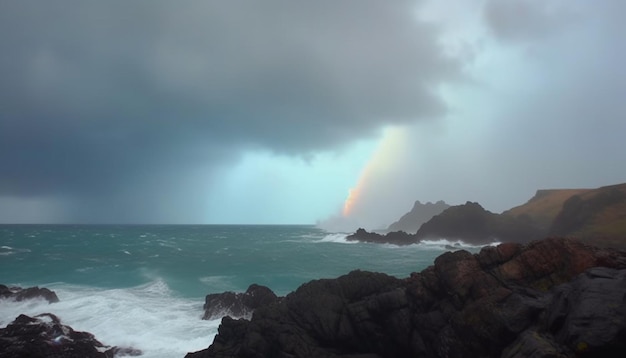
pixel 144 286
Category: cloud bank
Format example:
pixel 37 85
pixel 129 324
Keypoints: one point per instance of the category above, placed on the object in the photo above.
pixel 118 101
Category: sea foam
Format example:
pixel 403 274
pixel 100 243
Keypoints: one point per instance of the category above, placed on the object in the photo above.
pixel 337 238
pixel 148 317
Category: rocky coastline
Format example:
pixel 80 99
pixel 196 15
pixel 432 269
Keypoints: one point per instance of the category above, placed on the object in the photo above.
pixel 550 298
pixel 555 297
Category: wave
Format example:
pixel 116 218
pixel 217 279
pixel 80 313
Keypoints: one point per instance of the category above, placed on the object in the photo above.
pixel 149 317
pixel 339 238
pixel 447 245
pixel 8 250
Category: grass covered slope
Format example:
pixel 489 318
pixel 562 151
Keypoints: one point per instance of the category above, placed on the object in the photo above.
pixel 595 215
pixel 543 208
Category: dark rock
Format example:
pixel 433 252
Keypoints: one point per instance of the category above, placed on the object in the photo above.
pixel 20 294
pixel 469 223
pixel 475 225
pixel 45 336
pixel 233 304
pixel 396 238
pixel 544 299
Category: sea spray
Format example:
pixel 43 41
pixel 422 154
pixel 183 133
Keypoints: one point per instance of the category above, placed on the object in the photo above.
pixel 148 317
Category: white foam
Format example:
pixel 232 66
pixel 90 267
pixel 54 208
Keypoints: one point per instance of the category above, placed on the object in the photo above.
pixel 337 238
pixel 446 245
pixel 149 317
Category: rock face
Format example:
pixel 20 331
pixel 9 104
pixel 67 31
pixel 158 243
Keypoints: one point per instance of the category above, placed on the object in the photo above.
pixel 419 214
pixel 20 294
pixel 473 224
pixel 550 298
pixel 238 305
pixel 396 238
pixel 45 336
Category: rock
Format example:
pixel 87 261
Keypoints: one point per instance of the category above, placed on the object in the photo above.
pixel 419 214
pixel 20 294
pixel 474 225
pixel 469 223
pixel 233 304
pixel 396 238
pixel 45 336
pixel 544 299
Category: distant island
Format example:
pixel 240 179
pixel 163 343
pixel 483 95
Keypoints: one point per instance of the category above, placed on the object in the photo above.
pixel 596 216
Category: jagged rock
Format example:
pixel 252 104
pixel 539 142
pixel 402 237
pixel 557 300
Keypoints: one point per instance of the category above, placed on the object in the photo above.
pixel 20 294
pixel 419 214
pixel 396 238
pixel 544 299
pixel 238 305
pixel 45 336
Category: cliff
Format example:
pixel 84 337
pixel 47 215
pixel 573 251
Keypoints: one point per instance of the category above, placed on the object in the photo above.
pixel 419 214
pixel 550 298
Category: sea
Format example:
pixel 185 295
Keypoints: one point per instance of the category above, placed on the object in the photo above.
pixel 143 286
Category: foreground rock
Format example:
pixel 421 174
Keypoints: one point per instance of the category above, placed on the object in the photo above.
pixel 238 305
pixel 550 298
pixel 20 294
pixel 45 336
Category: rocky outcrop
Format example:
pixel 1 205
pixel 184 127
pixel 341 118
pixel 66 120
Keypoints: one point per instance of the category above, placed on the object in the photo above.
pixel 550 298
pixel 474 225
pixel 45 336
pixel 419 214
pixel 396 238
pixel 20 294
pixel 469 223
pixel 238 305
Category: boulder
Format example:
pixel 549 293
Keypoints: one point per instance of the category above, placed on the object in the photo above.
pixel 238 305
pixel 45 336
pixel 20 294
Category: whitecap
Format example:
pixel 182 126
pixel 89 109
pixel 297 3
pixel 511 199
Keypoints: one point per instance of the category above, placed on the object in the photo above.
pixel 447 245
pixel 149 317
pixel 336 238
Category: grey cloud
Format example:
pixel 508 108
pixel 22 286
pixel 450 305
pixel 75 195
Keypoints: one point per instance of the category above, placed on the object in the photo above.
pixel 96 95
pixel 528 19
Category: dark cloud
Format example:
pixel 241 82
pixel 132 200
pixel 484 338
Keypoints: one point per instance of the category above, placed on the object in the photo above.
pixel 97 96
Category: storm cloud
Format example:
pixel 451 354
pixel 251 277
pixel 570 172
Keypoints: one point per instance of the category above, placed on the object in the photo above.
pixel 97 96
pixel 152 111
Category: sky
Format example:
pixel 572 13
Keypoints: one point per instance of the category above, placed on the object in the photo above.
pixel 341 113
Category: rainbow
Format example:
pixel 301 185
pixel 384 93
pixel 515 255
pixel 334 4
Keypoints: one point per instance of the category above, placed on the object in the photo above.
pixel 387 154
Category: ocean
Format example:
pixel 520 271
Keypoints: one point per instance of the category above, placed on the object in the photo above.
pixel 143 286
